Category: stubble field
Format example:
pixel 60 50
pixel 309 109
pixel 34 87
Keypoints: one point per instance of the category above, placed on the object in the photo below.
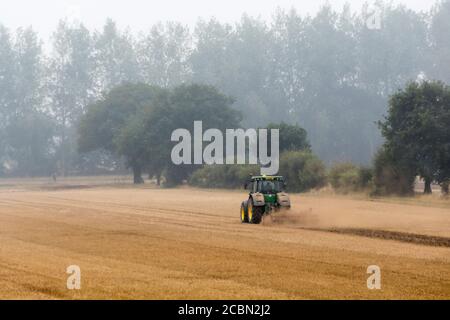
pixel 150 243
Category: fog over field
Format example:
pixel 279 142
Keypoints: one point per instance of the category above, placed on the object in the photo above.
pixel 139 15
pixel 328 67
pixel 205 149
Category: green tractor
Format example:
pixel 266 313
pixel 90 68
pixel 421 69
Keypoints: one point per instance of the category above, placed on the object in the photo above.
pixel 266 195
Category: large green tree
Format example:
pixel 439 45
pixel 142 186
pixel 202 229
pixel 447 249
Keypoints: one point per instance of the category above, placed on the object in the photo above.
pixel 148 134
pixel 103 124
pixel 416 130
pixel 145 137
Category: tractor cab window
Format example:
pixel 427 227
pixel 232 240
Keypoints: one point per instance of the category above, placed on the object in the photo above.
pixel 270 186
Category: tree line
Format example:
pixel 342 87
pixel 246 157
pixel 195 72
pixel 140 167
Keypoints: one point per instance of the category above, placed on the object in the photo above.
pixel 328 73
pixel 136 121
pixel 416 144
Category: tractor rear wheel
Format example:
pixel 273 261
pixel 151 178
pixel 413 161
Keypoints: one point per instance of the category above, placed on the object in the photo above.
pixel 254 213
pixel 244 214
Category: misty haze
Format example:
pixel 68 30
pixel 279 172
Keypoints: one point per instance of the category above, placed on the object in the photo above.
pixel 327 72
pixel 261 150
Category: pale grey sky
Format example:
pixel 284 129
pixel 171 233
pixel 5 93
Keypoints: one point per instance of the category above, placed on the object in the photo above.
pixel 139 15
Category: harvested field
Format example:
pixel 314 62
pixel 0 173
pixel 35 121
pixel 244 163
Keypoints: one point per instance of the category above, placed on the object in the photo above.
pixel 392 235
pixel 149 243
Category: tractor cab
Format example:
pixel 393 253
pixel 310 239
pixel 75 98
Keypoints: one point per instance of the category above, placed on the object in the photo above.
pixel 266 184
